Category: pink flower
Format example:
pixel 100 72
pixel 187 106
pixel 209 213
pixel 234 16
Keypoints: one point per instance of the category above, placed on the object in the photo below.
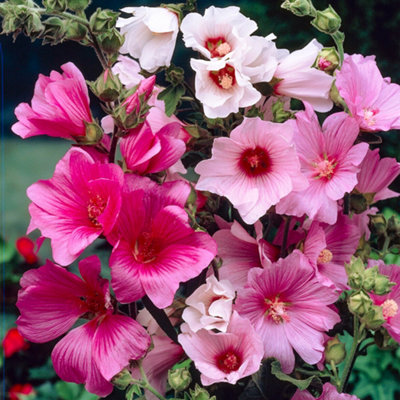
pixel 150 35
pixel 329 392
pixel 376 175
pixel 210 306
pixel 240 252
pixel 329 160
pixel 254 168
pixel 373 101
pixel 224 357
pixel 128 71
pixel 289 309
pixel 51 301
pixel 157 249
pixel 78 204
pixel 147 151
pixel 164 355
pixel 389 302
pixel 145 89
pixel 296 77
pixel 328 247
pixel 60 106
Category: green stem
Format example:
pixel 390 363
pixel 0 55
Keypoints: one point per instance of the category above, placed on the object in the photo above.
pixel 113 148
pixel 351 358
pixel 335 372
pixel 338 38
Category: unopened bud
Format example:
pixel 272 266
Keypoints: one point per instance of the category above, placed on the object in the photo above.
pixel 179 379
pixel 370 275
pixel 54 31
pixel 359 303
pixel 78 5
pixel 103 20
pixel 111 41
pixel 327 21
pixel 328 59
pixel 382 285
pixel 373 318
pixel 355 272
pixel 200 394
pixel 55 5
pixel 93 133
pixel 300 8
pixel 335 351
pixel 358 203
pixel 75 31
pixel 378 224
pixel 107 86
pixel 122 379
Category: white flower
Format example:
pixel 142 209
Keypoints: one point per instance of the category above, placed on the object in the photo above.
pixel 150 35
pixel 210 306
pixel 222 88
pixel 298 79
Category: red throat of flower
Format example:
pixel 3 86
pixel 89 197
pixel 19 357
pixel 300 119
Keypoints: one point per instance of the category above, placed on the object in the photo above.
pixel 146 248
pixel 218 47
pixel 94 302
pixel 224 78
pixel 229 361
pixel 95 208
pixel 276 310
pixel 324 168
pixel 255 162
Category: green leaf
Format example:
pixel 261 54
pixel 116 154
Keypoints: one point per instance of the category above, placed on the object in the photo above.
pixel 183 364
pixel 43 372
pixel 45 392
pixel 302 384
pixel 67 390
pixel 171 96
pixel 7 251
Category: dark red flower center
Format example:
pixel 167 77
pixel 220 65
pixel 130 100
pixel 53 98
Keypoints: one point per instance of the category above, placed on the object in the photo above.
pixel 146 248
pixel 218 46
pixel 224 78
pixel 255 162
pixel 229 361
pixel 95 208
pixel 94 302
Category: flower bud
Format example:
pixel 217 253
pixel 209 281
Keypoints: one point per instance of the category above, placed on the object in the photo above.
pixel 77 5
pixel 107 86
pixel 179 379
pixel 378 224
pixel 200 394
pixel 76 31
pixel 327 21
pixel 358 203
pixel 103 20
pixel 373 318
pixel 93 134
pixel 300 8
pixel 355 272
pixel 111 41
pixel 382 285
pixel 123 379
pixel 55 5
pixel 393 229
pixel 335 351
pixel 370 275
pixel 55 29
pixel 359 303
pixel 328 60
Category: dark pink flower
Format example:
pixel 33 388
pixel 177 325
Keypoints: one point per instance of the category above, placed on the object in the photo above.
pixel 289 309
pixel 148 152
pixel 373 101
pixel 143 92
pixel 78 204
pixel 51 301
pixel 60 106
pixel 224 357
pixel 157 249
pixel 329 160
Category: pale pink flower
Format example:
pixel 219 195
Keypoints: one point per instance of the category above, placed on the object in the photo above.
pixel 60 106
pixel 78 204
pixel 329 247
pixel 150 35
pixel 51 301
pixel 297 78
pixel 128 71
pixel 289 309
pixel 329 392
pixel 157 249
pixel 224 357
pixel 389 302
pixel 377 174
pixel 329 160
pixel 219 32
pixel 222 87
pixel 254 168
pixel 164 355
pixel 147 151
pixel 373 101
pixel 210 306
pixel 240 252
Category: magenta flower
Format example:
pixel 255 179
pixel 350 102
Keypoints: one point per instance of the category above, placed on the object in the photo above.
pixel 328 247
pixel 289 309
pixel 51 301
pixel 240 252
pixel 254 168
pixel 147 152
pixel 377 174
pixel 389 302
pixel 60 106
pixel 224 357
pixel 157 249
pixel 329 160
pixel 373 101
pixel 78 204
pixel 144 91
pixel 329 392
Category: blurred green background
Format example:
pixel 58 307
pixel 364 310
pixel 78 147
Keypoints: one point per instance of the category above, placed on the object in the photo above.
pixel 371 27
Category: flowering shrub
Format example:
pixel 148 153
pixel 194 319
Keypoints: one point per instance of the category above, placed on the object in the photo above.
pixel 243 244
